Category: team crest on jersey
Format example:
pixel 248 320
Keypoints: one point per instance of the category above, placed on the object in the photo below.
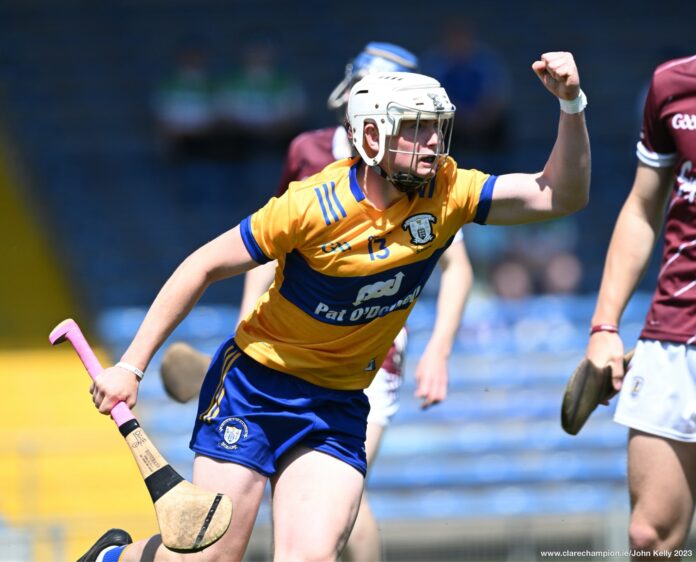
pixel 420 227
pixel 232 430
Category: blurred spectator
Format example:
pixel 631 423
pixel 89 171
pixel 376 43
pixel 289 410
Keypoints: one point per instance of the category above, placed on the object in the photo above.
pixel 538 258
pixel 477 82
pixel 517 276
pixel 562 274
pixel 511 279
pixel 259 104
pixel 183 103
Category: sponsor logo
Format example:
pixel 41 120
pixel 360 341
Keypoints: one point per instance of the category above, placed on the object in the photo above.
pixel 232 430
pixel 684 121
pixel 363 313
pixel 380 289
pixel 332 247
pixel 420 228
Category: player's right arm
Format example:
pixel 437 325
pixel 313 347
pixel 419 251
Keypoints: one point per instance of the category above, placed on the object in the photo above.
pixel 636 231
pixel 223 257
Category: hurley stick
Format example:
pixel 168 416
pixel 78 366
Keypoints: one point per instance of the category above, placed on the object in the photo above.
pixel 189 517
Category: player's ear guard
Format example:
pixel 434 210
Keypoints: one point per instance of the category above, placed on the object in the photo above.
pixel 588 386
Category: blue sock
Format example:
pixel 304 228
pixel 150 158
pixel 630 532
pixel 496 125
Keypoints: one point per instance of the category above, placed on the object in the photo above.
pixel 113 554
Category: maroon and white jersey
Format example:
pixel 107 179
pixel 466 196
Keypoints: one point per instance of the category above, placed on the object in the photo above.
pixel 668 138
pixel 311 151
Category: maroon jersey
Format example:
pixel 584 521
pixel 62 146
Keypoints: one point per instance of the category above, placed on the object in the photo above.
pixel 668 138
pixel 309 153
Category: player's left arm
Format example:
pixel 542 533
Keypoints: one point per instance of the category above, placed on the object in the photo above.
pixel 256 283
pixel 432 375
pixel 563 186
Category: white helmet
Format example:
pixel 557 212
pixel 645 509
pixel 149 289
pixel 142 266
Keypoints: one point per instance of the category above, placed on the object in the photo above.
pixel 388 98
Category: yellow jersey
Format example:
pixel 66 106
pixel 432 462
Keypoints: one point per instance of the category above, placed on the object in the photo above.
pixel 348 274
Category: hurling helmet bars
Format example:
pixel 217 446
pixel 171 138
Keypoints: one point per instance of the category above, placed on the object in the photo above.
pixel 387 99
pixel 375 57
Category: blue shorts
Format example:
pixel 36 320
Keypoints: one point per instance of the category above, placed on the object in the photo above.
pixel 250 414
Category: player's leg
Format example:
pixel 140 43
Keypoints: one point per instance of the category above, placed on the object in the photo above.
pixel 656 403
pixel 364 543
pixel 662 483
pixel 244 487
pixel 315 501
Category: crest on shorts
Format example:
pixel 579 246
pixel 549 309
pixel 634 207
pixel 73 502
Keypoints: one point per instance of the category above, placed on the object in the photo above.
pixel 232 435
pixel 636 386
pixel 232 430
pixel 420 227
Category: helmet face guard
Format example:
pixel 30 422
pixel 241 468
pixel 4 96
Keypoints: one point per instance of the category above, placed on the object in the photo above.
pixel 376 57
pixel 389 99
pixel 407 179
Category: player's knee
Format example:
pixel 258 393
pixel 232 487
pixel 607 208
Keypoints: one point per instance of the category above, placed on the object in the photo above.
pixel 642 536
pixel 647 536
pixel 307 546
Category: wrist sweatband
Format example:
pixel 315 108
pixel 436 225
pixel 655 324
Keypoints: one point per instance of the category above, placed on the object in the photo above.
pixel 604 328
pixel 132 368
pixel 574 106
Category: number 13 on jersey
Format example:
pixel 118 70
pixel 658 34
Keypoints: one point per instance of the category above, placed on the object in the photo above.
pixel 377 248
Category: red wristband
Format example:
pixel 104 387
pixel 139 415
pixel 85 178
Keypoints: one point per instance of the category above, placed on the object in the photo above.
pixel 604 328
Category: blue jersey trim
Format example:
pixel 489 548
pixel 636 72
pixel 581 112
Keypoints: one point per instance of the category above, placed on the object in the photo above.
pixel 328 202
pixel 430 187
pixel 337 201
pixel 354 185
pixel 323 208
pixel 485 199
pixel 252 247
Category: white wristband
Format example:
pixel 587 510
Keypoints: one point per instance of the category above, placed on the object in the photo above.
pixel 132 368
pixel 574 106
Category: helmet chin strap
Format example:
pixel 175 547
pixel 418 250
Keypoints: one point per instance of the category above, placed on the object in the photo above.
pixel 406 182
